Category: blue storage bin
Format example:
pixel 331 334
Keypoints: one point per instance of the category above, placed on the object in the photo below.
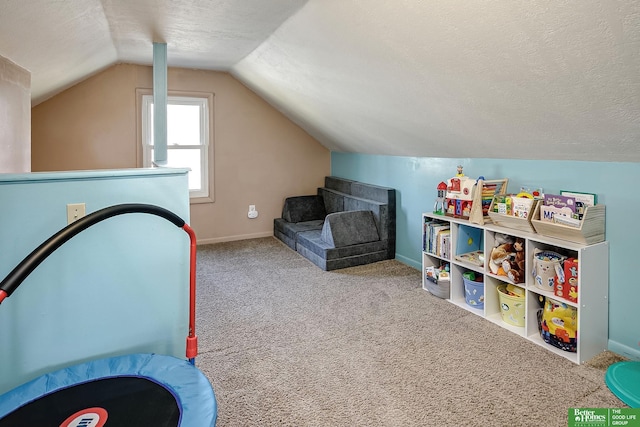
pixel 474 293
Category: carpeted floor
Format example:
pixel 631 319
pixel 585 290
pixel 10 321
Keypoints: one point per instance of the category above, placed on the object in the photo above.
pixel 287 344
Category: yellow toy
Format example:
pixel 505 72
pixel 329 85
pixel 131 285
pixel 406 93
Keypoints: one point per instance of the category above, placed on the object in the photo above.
pixel 559 325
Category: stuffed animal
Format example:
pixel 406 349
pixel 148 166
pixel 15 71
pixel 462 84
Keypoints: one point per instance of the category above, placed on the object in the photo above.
pixel 499 254
pixel 513 266
pixel 503 238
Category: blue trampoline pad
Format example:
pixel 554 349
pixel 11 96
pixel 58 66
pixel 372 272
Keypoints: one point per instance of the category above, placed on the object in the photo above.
pixel 132 390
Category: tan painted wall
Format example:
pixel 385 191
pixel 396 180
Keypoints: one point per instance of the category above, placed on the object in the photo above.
pixel 260 156
pixel 15 118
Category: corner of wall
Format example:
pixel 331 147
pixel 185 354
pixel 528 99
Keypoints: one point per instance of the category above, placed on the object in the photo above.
pixel 15 133
pixel 623 350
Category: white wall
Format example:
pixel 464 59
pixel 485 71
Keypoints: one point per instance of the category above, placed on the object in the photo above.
pixel 15 116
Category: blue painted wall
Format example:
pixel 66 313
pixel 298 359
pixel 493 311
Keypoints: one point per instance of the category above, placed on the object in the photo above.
pixel 416 180
pixel 118 287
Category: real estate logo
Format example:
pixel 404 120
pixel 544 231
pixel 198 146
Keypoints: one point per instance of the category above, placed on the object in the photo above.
pixel 589 417
pixel 600 417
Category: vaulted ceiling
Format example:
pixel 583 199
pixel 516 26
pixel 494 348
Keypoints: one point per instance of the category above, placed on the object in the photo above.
pixel 534 79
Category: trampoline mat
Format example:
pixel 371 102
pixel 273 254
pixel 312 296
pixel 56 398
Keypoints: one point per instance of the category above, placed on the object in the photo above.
pixel 128 401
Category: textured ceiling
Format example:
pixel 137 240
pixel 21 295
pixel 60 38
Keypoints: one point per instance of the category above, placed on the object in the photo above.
pixel 528 79
pixel 496 79
pixel 65 41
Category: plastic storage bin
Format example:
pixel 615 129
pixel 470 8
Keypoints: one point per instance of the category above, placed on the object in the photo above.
pixel 512 307
pixel 473 292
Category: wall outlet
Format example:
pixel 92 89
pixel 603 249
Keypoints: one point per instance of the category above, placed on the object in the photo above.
pixel 75 211
pixel 253 213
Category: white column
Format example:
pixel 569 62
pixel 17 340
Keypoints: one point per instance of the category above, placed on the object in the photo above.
pixel 160 104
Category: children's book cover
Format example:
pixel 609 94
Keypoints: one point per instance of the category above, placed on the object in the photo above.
pixel 587 199
pixel 469 240
pixel 559 201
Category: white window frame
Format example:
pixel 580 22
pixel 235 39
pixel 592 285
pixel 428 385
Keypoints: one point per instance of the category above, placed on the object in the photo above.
pixel 205 102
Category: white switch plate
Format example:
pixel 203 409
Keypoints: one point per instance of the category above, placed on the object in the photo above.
pixel 75 211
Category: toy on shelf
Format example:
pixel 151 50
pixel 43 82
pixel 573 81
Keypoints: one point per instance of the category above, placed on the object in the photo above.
pixel 464 200
pixel 567 286
pixel 439 206
pixel 558 324
pixel 532 191
pixel 546 266
pixel 514 265
pixel 459 195
pixel 508 258
pixel 489 189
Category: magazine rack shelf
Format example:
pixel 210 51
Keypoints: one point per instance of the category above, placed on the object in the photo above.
pixel 591 229
pixel 509 221
pixel 593 281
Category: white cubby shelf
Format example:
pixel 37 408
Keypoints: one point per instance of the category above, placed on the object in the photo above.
pixel 593 281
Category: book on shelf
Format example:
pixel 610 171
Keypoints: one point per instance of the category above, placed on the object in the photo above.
pixel 434 237
pixel 555 214
pixel 436 274
pixel 583 200
pixel 561 202
pixel 469 239
pixel 475 258
pixel 567 208
pixel 521 206
pixel 446 245
pixel 588 199
pixel 442 240
pixel 426 233
pixel 430 274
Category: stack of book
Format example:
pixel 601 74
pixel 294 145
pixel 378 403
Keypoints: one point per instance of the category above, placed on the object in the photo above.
pixel 566 208
pixel 436 238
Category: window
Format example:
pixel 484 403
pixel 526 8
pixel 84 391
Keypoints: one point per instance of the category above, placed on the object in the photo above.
pixel 188 135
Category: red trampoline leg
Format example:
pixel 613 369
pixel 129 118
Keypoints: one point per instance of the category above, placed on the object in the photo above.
pixel 192 339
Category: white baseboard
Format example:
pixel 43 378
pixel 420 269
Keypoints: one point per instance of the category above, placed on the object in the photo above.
pixel 234 238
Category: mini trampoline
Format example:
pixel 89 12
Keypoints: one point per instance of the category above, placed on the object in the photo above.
pixel 130 390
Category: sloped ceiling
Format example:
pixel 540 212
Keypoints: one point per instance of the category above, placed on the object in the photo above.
pixel 63 42
pixel 535 79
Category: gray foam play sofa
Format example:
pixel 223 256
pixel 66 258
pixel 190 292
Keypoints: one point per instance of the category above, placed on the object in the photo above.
pixel 346 223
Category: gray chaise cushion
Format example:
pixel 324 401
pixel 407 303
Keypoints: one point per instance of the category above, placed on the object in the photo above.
pixel 287 231
pixel 349 228
pixel 311 246
pixel 303 208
